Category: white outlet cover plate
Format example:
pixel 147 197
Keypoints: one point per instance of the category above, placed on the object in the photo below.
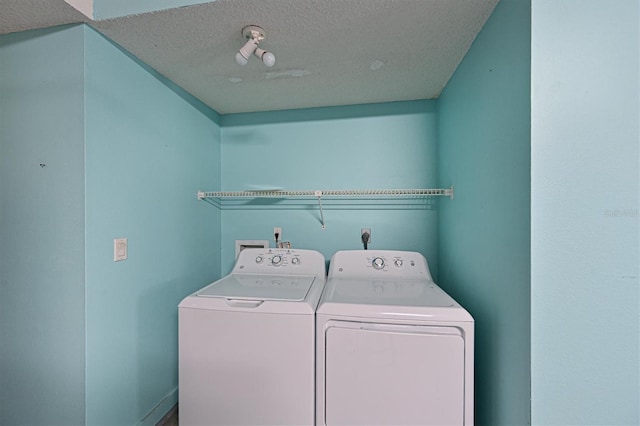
pixel 120 249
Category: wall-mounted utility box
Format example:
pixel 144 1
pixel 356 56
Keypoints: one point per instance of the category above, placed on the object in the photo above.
pixel 243 244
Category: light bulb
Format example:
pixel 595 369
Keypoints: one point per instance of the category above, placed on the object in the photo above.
pixel 267 58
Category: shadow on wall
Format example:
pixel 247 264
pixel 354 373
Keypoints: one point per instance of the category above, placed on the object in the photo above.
pixel 325 113
pixel 157 309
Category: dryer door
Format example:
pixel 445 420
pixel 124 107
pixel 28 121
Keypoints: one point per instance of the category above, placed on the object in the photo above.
pixel 387 374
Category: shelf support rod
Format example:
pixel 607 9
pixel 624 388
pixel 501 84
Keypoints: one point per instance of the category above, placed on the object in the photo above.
pixel 319 195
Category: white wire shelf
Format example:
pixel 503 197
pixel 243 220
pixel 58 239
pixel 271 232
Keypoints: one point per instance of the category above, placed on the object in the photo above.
pixel 345 199
pixel 340 193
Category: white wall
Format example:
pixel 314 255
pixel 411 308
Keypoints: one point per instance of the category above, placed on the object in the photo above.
pixel 584 230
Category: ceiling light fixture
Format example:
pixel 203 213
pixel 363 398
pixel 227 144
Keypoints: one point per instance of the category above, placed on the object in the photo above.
pixel 254 36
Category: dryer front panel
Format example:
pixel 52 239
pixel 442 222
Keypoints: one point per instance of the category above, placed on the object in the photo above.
pixel 393 374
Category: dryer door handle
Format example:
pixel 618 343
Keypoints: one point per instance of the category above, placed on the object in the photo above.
pixel 243 303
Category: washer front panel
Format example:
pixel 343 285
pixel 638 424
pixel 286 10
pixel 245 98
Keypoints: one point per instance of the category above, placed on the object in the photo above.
pixel 245 368
pixel 366 364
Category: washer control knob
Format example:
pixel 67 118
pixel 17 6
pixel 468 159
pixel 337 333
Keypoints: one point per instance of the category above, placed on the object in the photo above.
pixel 398 262
pixel 378 263
pixel 259 259
pixel 295 260
pixel 276 260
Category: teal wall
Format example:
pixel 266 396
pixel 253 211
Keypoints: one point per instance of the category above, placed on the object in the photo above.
pixel 375 146
pixel 86 340
pixel 553 277
pixel 584 231
pixel 484 150
pixel 42 327
pixel 148 151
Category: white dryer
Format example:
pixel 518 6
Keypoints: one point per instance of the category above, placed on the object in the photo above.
pixel 246 342
pixel 392 347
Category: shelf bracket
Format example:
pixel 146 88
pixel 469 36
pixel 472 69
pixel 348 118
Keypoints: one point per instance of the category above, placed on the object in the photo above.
pixel 449 192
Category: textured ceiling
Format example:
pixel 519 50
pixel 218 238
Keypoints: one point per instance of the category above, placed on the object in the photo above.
pixel 20 15
pixel 328 52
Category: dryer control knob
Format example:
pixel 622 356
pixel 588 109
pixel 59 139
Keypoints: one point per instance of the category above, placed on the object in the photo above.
pixel 295 260
pixel 398 262
pixel 378 263
pixel 259 259
pixel 276 260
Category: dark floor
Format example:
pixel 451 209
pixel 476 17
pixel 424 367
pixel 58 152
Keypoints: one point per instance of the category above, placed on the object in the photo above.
pixel 171 418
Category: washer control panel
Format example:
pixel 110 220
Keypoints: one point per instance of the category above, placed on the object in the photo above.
pixel 270 258
pixel 378 263
pixel 280 261
pixel 397 261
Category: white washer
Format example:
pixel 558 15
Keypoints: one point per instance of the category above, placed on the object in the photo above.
pixel 392 347
pixel 246 342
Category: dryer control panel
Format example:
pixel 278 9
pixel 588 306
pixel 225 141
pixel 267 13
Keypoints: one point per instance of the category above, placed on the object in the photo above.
pixel 364 264
pixel 280 262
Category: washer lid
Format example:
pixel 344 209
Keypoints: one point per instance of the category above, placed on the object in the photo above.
pixel 292 288
pixel 394 299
